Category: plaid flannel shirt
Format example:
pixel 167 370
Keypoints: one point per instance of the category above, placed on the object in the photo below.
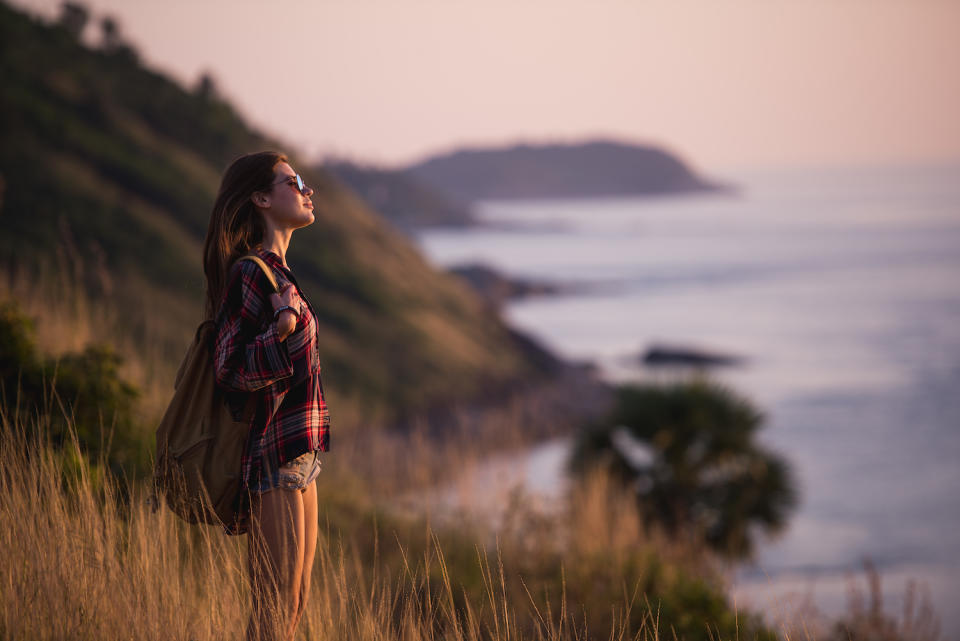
pixel 291 416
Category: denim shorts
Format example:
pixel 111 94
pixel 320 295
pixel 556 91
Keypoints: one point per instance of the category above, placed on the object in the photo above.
pixel 296 474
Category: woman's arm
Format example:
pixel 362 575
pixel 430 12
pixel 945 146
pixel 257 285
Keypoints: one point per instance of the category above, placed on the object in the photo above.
pixel 245 360
pixel 286 319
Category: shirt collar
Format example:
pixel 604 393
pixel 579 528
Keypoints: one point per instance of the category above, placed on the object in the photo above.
pixel 271 258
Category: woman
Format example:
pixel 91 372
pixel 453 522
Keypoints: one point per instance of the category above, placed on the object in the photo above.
pixel 266 345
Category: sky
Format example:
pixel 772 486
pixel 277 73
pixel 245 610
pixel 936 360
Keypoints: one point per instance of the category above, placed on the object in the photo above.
pixel 724 84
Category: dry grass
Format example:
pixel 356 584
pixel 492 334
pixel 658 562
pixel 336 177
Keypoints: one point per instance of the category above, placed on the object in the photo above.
pixel 87 558
pixel 84 563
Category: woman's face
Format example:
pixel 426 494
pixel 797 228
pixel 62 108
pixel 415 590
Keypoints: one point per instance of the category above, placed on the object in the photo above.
pixel 284 205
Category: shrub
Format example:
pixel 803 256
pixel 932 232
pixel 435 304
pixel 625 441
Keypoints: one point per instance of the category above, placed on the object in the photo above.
pixel 688 452
pixel 87 385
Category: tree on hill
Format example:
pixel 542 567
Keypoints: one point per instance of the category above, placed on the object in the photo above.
pixel 206 86
pixel 73 18
pixel 109 33
pixel 112 42
pixel 688 451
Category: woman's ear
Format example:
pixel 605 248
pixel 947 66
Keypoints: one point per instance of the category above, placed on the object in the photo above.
pixel 260 199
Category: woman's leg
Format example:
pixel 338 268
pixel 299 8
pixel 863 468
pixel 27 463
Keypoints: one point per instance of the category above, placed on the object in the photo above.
pixel 311 525
pixel 276 554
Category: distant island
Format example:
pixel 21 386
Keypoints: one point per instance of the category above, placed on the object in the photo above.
pixel 660 355
pixel 590 169
pixel 439 190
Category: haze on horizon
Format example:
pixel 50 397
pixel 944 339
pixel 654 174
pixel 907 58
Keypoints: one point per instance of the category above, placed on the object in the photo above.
pixel 741 83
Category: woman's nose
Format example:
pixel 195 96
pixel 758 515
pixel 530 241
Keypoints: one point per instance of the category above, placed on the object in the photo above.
pixel 308 191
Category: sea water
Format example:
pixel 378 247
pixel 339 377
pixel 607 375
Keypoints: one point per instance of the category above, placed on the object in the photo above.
pixel 841 290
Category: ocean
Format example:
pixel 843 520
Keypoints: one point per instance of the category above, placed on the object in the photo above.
pixel 840 289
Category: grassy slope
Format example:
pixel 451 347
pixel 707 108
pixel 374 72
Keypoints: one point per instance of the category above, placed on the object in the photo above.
pixel 109 170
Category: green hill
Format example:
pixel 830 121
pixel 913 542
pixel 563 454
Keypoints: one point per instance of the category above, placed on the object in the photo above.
pixel 109 170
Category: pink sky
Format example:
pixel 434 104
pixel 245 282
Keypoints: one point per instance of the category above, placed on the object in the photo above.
pixel 724 83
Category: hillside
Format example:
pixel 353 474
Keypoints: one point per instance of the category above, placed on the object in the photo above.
pixel 108 171
pixel 399 196
pixel 598 168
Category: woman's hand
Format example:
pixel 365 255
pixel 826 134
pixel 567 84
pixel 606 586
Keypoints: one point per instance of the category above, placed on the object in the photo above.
pixel 287 319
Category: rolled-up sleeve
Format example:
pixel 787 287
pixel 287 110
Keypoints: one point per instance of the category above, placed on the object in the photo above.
pixel 244 360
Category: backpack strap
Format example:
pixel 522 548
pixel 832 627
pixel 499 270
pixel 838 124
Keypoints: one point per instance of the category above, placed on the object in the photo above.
pixel 266 270
pixel 250 407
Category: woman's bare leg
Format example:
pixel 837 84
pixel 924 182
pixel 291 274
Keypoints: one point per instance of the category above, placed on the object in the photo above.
pixel 276 554
pixel 311 525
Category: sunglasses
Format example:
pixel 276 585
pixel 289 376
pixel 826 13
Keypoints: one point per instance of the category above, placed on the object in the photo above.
pixel 294 181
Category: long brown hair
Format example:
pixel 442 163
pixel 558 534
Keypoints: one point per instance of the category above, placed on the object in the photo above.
pixel 235 224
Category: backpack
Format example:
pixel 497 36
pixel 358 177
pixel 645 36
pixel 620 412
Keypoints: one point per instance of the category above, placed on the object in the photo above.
pixel 199 443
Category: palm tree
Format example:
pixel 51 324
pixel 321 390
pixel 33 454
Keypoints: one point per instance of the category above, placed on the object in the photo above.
pixel 688 451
